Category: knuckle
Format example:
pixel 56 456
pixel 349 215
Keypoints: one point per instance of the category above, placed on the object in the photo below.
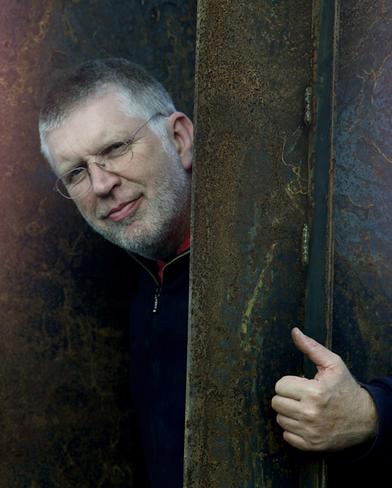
pixel 314 437
pixel 318 396
pixel 319 399
pixel 313 441
pixel 317 437
pixel 340 365
pixel 338 360
pixel 302 446
pixel 317 443
pixel 310 414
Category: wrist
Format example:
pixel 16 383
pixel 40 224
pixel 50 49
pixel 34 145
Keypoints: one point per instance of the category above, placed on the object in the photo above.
pixel 369 418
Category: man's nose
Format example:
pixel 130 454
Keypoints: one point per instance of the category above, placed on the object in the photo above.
pixel 102 181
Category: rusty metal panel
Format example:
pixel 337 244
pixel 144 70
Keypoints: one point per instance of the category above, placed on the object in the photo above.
pixel 65 417
pixel 319 280
pixel 321 174
pixel 250 200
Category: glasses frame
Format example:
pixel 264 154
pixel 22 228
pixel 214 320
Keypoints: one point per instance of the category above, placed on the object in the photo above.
pixel 59 181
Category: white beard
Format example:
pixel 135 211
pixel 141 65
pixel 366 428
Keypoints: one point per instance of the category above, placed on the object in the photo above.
pixel 158 226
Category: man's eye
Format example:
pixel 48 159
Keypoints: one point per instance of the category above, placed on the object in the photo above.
pixel 116 149
pixel 74 176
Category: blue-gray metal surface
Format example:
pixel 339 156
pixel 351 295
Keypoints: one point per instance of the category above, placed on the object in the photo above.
pixel 362 298
pixel 362 329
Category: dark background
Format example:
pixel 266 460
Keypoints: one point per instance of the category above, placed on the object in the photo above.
pixel 65 419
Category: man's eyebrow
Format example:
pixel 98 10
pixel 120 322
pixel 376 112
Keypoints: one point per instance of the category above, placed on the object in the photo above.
pixel 64 161
pixel 69 161
pixel 120 136
pixel 66 166
pixel 105 142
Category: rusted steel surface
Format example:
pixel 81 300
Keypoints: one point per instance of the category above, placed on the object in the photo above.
pixel 250 193
pixel 319 282
pixel 321 174
pixel 65 417
pixel 362 330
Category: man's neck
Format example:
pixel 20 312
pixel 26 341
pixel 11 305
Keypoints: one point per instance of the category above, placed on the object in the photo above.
pixel 184 246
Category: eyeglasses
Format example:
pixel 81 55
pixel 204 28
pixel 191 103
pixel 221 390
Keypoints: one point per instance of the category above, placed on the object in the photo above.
pixel 114 158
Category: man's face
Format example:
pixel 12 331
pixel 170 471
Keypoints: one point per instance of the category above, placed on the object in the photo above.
pixel 145 209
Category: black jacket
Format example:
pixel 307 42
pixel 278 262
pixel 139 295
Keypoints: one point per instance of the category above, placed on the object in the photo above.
pixel 158 348
pixel 158 331
pixel 367 465
pixel 381 392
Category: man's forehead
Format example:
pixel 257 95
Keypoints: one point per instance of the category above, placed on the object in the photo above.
pixel 102 109
pixel 89 125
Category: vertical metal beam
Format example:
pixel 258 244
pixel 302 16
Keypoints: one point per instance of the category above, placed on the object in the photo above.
pixel 236 268
pixel 319 283
pixel 321 171
pixel 250 206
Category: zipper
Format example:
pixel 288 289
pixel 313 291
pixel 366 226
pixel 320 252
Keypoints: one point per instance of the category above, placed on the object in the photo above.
pixel 158 287
pixel 177 258
pixel 156 300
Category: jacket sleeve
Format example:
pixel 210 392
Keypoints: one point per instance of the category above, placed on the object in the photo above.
pixel 381 391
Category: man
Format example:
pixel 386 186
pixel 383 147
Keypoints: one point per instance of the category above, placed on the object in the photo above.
pixel 123 154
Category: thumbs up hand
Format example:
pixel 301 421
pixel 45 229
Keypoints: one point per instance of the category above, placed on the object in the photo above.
pixel 327 413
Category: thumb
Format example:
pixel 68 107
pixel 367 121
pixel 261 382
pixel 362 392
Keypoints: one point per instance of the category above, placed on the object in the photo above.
pixel 321 356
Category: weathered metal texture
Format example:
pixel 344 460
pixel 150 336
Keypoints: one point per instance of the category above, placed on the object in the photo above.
pixel 63 292
pixel 321 174
pixel 362 330
pixel 319 282
pixel 362 309
pixel 247 280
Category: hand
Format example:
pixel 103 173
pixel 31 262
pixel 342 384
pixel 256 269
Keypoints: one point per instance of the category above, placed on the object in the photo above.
pixel 328 413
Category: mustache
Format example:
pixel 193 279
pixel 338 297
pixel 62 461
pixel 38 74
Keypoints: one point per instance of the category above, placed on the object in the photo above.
pixel 104 209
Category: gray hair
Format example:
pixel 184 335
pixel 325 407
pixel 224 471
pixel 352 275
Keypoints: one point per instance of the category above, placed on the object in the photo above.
pixel 142 95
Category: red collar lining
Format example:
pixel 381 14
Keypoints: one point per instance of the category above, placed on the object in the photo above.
pixel 186 244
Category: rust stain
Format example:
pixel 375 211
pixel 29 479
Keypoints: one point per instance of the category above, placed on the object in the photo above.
pixel 247 234
pixel 255 296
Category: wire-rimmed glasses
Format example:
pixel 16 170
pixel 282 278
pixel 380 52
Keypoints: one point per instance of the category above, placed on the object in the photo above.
pixel 114 158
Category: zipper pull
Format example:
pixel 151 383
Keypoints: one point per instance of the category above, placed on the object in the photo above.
pixel 156 300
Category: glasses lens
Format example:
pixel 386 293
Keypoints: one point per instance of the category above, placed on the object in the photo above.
pixel 77 182
pixel 74 183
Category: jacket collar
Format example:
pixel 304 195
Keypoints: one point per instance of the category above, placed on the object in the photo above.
pixel 157 268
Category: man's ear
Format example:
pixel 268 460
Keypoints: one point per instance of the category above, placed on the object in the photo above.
pixel 181 132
